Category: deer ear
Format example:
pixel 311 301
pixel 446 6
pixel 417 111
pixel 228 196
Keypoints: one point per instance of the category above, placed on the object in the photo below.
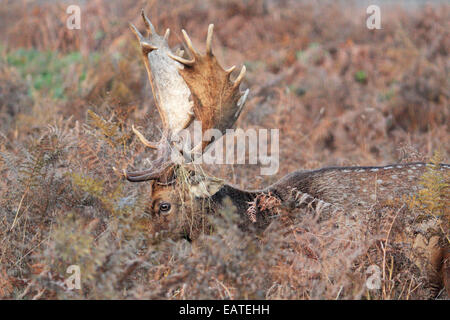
pixel 206 188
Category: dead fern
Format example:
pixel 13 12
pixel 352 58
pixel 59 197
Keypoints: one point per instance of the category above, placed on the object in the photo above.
pixel 264 204
pixel 434 198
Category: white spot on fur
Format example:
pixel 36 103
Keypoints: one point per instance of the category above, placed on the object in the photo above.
pixel 388 167
pixel 321 205
pixel 304 197
pixel 399 167
pixel 374 170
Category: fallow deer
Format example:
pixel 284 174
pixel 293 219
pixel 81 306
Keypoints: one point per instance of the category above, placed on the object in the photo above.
pixel 198 87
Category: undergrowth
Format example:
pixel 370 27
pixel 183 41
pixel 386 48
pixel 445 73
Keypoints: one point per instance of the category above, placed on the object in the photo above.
pixel 339 93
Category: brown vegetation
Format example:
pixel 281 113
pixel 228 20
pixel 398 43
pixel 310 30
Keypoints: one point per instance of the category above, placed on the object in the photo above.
pixel 340 94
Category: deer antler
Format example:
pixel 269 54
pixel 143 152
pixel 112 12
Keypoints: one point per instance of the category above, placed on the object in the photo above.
pixel 160 167
pixel 218 102
pixel 169 89
pixel 171 97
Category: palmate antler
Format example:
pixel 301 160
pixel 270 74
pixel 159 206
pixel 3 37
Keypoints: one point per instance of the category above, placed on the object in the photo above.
pixel 217 101
pixel 171 96
pixel 169 89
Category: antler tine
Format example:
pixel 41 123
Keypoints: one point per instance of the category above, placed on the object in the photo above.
pixel 193 51
pixel 145 176
pixel 240 77
pixel 241 102
pixel 186 62
pixel 136 32
pixel 144 140
pixel 149 174
pixel 145 45
pixel 209 40
pixel 167 34
pixel 182 60
pixel 230 70
pixel 189 44
pixel 159 167
pixel 150 28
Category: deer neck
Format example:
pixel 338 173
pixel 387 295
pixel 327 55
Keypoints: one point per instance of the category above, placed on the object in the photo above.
pixel 240 198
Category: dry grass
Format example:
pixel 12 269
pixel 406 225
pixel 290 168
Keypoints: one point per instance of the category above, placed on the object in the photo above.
pixel 339 93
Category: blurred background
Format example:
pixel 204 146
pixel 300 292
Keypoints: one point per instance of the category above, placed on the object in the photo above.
pixel 340 94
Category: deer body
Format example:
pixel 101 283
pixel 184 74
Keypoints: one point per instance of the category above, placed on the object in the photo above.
pixel 346 188
pixel 356 186
pixel 182 201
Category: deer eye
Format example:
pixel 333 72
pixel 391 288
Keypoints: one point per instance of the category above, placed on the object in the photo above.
pixel 164 207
